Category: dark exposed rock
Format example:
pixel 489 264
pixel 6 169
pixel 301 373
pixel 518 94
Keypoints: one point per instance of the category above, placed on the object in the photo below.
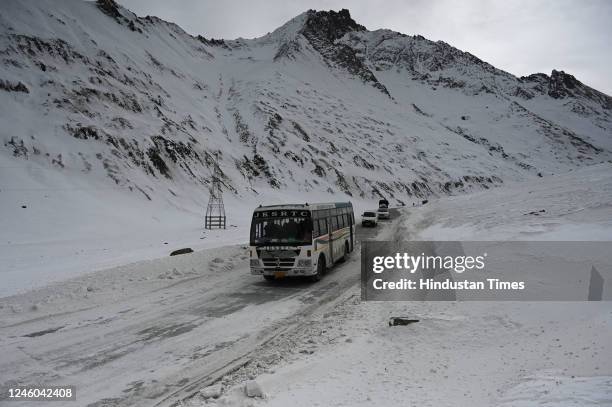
pixel 242 129
pixel 301 132
pixel 13 87
pixel 419 111
pixel 287 50
pixel 82 132
pixel 342 183
pixel 399 321
pixel 362 162
pixel 323 28
pixel 185 250
pixel 318 170
pixel 257 167
pixel 523 93
pixel 330 25
pixel 109 7
pixel 158 162
pixel 447 82
pixel 536 213
pixel 18 147
pixel 294 157
pixel 132 26
pixel 175 150
pixel 565 85
pixel 274 121
pixel 34 47
pixel 560 85
pixel 213 42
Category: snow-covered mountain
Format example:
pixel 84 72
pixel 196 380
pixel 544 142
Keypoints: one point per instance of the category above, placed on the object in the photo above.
pixel 91 91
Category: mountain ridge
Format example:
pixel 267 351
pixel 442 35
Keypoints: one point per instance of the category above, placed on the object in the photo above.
pixel 320 104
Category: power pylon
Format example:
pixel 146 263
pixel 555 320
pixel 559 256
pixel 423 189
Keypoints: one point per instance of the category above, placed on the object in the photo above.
pixel 215 211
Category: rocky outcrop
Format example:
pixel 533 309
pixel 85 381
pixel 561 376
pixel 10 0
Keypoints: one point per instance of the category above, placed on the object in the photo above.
pixel 323 29
pixel 561 85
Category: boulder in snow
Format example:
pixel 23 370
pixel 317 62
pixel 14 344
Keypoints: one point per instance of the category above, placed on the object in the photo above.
pixel 395 321
pixel 253 389
pixel 212 392
pixel 182 251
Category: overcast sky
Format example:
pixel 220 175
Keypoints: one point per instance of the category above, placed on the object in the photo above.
pixel 519 36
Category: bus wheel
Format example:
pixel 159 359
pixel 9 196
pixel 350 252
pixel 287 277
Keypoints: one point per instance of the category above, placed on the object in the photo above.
pixel 320 269
pixel 346 252
pixel 269 278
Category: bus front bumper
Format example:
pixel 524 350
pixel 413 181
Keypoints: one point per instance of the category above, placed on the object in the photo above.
pixel 292 272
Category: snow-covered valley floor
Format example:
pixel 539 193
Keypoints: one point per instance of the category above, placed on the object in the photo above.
pixel 157 331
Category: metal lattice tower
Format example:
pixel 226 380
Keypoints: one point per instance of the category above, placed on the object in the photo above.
pixel 215 211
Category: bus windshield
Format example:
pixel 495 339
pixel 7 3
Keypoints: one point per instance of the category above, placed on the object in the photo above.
pixel 281 230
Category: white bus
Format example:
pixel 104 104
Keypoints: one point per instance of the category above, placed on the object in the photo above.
pixel 300 239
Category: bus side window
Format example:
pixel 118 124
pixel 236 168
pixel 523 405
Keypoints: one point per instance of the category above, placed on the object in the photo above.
pixel 315 229
pixel 334 223
pixel 322 227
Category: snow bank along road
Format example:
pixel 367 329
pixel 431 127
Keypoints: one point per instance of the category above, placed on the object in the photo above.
pixel 156 331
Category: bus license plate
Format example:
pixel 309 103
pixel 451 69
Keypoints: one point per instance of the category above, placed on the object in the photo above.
pixel 279 274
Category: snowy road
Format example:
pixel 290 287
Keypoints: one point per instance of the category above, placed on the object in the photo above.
pixel 156 331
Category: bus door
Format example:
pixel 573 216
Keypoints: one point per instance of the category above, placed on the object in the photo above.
pixel 351 228
pixel 331 241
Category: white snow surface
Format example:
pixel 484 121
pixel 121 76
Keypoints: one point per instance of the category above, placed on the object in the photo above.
pixel 575 206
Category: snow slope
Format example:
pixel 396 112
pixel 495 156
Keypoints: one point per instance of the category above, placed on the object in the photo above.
pixel 573 206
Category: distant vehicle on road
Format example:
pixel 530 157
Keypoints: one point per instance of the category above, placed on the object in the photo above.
pixel 383 213
pixel 383 203
pixel 369 218
pixel 300 239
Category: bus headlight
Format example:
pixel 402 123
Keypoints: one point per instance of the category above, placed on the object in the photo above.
pixel 304 263
pixel 254 262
